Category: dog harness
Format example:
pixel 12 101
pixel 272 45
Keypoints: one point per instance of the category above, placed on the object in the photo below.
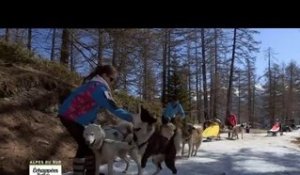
pixel 135 139
pixel 117 131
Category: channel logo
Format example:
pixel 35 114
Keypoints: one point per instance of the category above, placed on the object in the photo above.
pixel 48 167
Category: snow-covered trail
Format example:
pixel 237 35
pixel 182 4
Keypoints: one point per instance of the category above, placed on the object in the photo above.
pixel 256 154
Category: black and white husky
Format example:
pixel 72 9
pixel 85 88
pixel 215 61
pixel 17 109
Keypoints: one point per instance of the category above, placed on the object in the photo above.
pixel 124 138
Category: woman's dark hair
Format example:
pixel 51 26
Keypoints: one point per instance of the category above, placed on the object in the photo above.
pixel 173 98
pixel 100 70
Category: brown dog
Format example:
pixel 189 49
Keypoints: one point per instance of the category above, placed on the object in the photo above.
pixel 193 137
pixel 236 130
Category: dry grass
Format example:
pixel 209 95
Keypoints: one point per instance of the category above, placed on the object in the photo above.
pixel 32 135
pixel 28 86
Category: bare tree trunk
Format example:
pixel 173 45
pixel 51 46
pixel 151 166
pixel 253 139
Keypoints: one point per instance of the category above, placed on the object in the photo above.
pixel 239 99
pixel 290 101
pixel 164 71
pixel 229 91
pixel 140 87
pixel 206 117
pixel 168 59
pixel 283 114
pixel 100 46
pixel 145 76
pixel 201 107
pixel 115 51
pixel 198 91
pixel 189 79
pixel 271 104
pixel 216 73
pixel 254 101
pixel 212 83
pixel 72 59
pixel 249 105
pixel 53 45
pixel 17 37
pixel 65 47
pixel 29 39
pixel 7 34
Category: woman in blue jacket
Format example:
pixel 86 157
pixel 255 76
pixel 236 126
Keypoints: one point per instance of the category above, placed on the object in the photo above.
pixel 172 109
pixel 80 108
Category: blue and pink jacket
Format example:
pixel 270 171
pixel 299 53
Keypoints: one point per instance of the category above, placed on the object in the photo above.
pixel 83 104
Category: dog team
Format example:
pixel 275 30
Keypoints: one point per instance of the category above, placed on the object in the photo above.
pixel 136 135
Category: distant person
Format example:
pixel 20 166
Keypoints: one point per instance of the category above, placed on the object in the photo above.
pixel 247 127
pixel 213 122
pixel 173 109
pixel 231 121
pixel 80 108
pixel 278 123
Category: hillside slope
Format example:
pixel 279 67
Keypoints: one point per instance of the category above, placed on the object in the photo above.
pixel 29 93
